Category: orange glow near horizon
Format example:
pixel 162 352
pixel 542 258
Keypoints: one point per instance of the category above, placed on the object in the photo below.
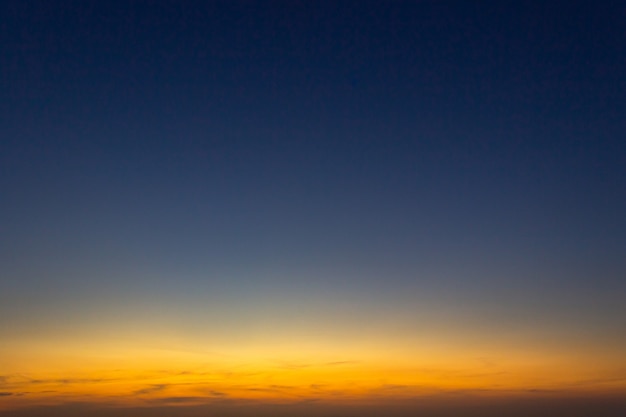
pixel 49 373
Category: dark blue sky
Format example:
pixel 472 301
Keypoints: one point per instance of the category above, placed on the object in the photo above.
pixel 314 126
pixel 469 155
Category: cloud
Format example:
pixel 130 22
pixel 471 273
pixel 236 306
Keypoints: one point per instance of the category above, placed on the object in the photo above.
pixel 543 391
pixel 265 389
pixel 180 400
pixel 151 389
pixel 599 381
pixel 72 381
pixel 338 363
pixel 5 394
pixel 302 365
pixel 280 387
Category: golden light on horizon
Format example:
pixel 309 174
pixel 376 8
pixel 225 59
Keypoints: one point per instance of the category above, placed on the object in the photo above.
pixel 144 374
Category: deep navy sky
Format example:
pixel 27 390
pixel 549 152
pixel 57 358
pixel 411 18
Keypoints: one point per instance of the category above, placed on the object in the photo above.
pixel 470 147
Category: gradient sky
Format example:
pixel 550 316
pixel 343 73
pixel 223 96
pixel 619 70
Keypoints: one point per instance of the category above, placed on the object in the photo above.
pixel 407 206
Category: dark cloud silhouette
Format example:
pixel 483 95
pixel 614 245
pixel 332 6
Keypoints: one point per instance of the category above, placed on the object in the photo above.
pixel 71 381
pixel 267 389
pixel 493 407
pixel 151 389
pixel 181 400
pixel 210 397
pixel 5 394
pixel 542 391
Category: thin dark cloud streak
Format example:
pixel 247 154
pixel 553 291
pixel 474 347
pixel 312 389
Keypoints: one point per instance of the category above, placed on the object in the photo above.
pixel 151 389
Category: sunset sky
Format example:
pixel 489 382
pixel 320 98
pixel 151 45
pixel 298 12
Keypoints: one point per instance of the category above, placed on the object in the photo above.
pixel 313 208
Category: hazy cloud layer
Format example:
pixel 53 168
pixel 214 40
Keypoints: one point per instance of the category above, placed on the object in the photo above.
pixel 176 407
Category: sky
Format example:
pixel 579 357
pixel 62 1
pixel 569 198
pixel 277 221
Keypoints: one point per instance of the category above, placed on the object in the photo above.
pixel 321 208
